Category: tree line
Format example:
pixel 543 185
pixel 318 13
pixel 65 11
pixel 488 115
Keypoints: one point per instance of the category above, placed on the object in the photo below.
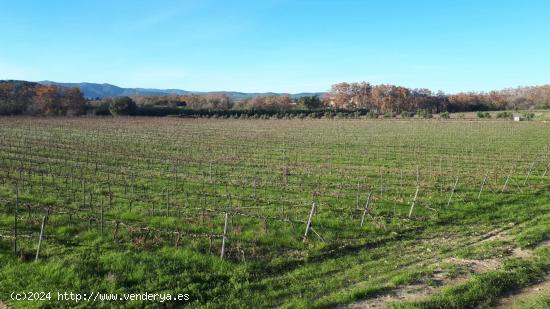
pixel 27 98
pixel 396 99
pixel 379 99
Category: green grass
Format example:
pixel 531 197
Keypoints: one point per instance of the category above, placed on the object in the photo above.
pixel 486 250
pixel 535 302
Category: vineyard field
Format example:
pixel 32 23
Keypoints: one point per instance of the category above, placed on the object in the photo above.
pixel 322 213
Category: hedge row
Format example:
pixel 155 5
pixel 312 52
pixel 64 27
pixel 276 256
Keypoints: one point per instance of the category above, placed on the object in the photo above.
pixel 259 114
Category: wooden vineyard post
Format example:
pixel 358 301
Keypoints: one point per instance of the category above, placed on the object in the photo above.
pixel 401 184
pixel 101 218
pixel 21 175
pixel 529 173
pixel 167 203
pixel 42 227
pixel 15 220
pixel 83 192
pixel 254 193
pixel 210 172
pixel 224 238
pixel 381 184
pixel 546 170
pixel 414 200
pixel 482 185
pixel 357 197
pixel 178 235
pixel 452 192
pixel 366 209
pixel 42 182
pixel 506 183
pixel 308 225
pixel 508 179
pixel 132 192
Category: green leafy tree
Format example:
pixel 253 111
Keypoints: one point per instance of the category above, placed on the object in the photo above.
pixel 122 106
pixel 310 102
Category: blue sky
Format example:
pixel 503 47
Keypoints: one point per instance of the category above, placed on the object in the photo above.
pixel 283 46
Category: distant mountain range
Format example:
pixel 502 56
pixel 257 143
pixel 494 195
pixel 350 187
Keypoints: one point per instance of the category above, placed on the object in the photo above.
pixel 93 90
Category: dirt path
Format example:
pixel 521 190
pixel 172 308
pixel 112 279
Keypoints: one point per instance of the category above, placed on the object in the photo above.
pixel 540 288
pixel 405 293
pixel 543 287
pixel 421 291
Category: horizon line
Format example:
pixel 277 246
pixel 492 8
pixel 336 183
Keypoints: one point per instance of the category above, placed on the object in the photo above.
pixel 274 92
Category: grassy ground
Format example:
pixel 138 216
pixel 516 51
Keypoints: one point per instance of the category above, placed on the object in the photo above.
pixel 138 205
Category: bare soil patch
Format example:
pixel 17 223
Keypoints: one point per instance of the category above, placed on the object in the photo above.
pixel 510 301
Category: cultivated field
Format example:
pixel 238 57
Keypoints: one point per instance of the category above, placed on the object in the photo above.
pixel 267 213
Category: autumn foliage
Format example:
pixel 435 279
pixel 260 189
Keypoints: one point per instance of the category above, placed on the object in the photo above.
pixel 379 99
pixel 18 97
pixel 397 99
